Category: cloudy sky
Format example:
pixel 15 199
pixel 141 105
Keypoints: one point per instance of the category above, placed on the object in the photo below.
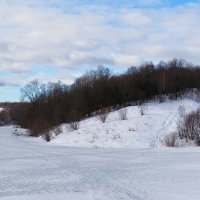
pixel 60 39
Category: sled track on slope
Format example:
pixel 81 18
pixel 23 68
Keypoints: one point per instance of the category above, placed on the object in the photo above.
pixel 162 131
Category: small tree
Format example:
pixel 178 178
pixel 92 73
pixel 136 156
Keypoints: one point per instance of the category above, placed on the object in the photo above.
pixel 123 113
pixel 31 91
pixel 103 114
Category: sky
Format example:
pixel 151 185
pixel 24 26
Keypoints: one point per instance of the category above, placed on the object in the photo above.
pixel 53 40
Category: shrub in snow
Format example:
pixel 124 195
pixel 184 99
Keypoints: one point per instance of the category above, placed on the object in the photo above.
pixel 181 128
pixel 74 125
pixel 47 136
pixel 58 130
pixel 161 98
pixel 170 140
pixel 103 114
pixel 123 113
pixel 189 127
pixel 17 133
pixel 181 111
pixel 74 119
pixel 142 109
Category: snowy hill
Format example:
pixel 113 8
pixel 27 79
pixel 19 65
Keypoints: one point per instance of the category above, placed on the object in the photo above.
pixel 138 131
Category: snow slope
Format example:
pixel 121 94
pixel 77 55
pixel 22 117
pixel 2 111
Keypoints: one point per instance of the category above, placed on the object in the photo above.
pixel 137 132
pixel 31 169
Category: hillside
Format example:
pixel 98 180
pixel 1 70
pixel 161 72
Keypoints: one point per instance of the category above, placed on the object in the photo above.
pixel 138 131
pixel 54 103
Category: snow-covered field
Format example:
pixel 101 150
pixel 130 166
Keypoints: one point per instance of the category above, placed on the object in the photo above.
pixel 136 132
pixel 31 169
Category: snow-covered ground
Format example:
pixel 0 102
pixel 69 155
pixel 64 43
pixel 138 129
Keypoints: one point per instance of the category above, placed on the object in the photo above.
pixel 31 169
pixel 136 132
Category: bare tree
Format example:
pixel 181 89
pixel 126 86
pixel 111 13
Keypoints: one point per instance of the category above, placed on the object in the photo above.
pixel 123 113
pixel 32 91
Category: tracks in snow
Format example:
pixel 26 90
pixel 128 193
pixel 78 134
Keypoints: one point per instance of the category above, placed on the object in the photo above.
pixel 163 130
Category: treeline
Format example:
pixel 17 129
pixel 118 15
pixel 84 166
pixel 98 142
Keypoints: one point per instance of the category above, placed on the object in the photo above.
pixel 55 103
pixel 10 112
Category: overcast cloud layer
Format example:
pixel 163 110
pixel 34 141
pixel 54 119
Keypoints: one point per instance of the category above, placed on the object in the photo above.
pixel 60 39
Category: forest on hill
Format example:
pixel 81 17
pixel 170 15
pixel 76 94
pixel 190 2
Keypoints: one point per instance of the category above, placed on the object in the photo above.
pixel 97 91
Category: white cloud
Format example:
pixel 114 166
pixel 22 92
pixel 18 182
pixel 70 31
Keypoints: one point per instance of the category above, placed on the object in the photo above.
pixel 67 36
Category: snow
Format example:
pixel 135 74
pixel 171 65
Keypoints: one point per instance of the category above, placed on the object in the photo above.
pixel 69 169
pixel 31 169
pixel 138 131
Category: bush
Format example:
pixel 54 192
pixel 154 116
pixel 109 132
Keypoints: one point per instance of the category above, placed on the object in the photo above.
pixel 103 114
pixel 170 140
pixel 189 127
pixel 142 109
pixel 74 125
pixel 58 130
pixel 161 98
pixel 123 113
pixel 181 111
pixel 47 136
pixel 18 133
